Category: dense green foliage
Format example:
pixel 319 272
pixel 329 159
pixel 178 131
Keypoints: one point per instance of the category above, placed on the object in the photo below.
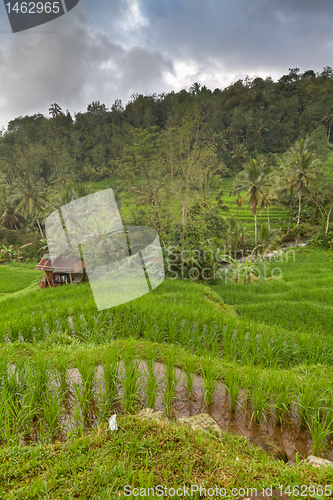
pixel 250 116
pixel 170 152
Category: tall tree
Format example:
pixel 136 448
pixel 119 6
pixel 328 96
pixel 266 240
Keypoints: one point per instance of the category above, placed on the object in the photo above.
pixel 32 198
pixel 328 119
pixel 9 215
pixel 190 159
pixel 301 173
pixel 269 193
pixel 255 181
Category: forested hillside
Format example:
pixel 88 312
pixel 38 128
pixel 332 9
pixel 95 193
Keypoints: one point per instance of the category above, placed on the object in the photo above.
pixel 171 152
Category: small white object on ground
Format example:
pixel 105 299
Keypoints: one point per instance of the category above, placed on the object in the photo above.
pixel 113 424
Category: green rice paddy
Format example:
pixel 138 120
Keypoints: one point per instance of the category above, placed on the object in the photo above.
pixel 268 342
pixel 278 216
pixel 300 299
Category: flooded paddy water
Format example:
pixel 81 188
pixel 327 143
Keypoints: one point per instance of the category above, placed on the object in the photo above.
pixel 289 435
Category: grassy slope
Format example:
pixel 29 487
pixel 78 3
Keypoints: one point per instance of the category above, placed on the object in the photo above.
pixel 302 299
pixel 15 277
pixel 142 454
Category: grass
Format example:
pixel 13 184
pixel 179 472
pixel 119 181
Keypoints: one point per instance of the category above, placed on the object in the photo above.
pixel 181 324
pixel 128 449
pixel 100 464
pixel 16 277
pixel 302 300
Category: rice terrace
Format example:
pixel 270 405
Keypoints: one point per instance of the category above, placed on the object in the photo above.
pixel 220 378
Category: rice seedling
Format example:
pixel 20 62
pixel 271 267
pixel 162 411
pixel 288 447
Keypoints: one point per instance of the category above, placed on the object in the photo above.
pixel 151 382
pixel 3 371
pixel 210 378
pixel 87 371
pixel 16 380
pixel 283 396
pixel 168 398
pixel 172 329
pixel 130 381
pixel 52 408
pixel 79 410
pixel 29 412
pixel 171 380
pixel 148 328
pixel 14 417
pixel 189 373
pixel 39 377
pixel 62 374
pixel 137 326
pixel 229 343
pixel 320 429
pixel 111 370
pixel 109 390
pixel 307 400
pixel 233 385
pixel 259 394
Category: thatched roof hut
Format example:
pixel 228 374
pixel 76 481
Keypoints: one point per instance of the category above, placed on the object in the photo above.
pixel 61 271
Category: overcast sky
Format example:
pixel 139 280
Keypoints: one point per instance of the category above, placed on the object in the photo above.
pixel 104 50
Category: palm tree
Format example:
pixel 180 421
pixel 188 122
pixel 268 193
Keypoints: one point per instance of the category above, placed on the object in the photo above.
pixel 269 194
pixel 8 213
pixel 329 120
pixel 285 195
pixel 32 197
pixel 269 239
pixel 67 195
pixel 302 171
pixel 88 171
pixel 212 186
pixel 62 177
pixel 195 89
pixel 255 180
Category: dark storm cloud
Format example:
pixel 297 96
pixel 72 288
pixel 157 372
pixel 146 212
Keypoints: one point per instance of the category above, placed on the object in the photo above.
pixel 108 49
pixel 244 36
pixel 72 66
